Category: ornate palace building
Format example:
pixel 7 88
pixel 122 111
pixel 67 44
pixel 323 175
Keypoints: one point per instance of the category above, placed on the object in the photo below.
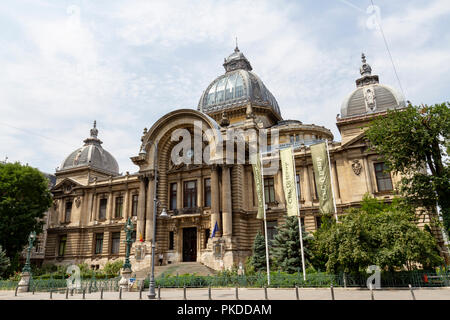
pixel 92 201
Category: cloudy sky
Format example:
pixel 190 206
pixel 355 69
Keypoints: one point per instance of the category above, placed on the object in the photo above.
pixel 65 64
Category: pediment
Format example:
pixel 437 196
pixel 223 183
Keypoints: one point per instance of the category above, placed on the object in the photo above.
pixel 67 185
pixel 355 142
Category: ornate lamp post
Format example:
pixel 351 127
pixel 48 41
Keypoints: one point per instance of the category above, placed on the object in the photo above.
pixel 26 271
pixel 126 268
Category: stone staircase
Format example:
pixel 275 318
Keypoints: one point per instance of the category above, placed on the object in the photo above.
pixel 173 269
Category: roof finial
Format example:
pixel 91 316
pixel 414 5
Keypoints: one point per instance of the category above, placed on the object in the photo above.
pixel 94 131
pixel 236 49
pixel 95 123
pixel 363 58
pixel 366 69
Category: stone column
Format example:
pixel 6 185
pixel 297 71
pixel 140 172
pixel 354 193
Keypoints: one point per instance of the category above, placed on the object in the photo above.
pixel 200 191
pixel 89 206
pixel 179 195
pixel 279 190
pixel 109 206
pixel 126 200
pixel 149 212
pixel 215 199
pixel 337 192
pixel 226 202
pixel 308 196
pixel 61 210
pixel 368 176
pixel 141 210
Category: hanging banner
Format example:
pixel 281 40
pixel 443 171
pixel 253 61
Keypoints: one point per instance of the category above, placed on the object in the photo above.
pixel 322 174
pixel 290 189
pixel 257 173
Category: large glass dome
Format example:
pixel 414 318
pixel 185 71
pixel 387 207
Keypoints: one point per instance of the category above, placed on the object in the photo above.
pixel 237 87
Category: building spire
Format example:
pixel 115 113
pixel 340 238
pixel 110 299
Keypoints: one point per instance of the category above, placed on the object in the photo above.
pixel 93 139
pixel 366 69
pixel 237 48
pixel 366 73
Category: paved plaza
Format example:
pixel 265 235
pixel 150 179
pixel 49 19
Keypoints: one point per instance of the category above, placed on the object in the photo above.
pixel 248 294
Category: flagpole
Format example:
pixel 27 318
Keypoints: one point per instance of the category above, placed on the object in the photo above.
pixel 298 216
pixel 265 220
pixel 332 183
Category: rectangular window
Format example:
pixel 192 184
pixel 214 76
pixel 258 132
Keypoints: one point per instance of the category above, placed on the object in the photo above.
pixel 302 221
pixel 315 186
pixel 102 209
pixel 171 240
pixel 318 222
pixel 62 245
pixel 190 194
pixel 297 179
pixel 68 211
pixel 207 235
pixel 115 242
pixel 208 192
pixel 269 190
pixel 134 206
pixel 384 182
pixel 173 196
pixel 98 243
pixel 119 207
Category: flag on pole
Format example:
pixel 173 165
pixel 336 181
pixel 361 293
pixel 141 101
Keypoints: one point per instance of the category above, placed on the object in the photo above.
pixel 256 164
pixel 216 228
pixel 323 179
pixel 290 189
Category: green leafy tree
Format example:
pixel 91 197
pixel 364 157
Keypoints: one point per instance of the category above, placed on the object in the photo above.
pixel 4 262
pixel 380 234
pixel 258 258
pixel 113 268
pixel 24 198
pixel 415 142
pixel 286 250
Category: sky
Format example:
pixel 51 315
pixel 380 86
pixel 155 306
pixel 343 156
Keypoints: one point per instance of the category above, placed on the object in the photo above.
pixel 64 64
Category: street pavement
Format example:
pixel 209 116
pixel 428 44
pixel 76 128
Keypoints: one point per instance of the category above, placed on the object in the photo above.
pixel 248 294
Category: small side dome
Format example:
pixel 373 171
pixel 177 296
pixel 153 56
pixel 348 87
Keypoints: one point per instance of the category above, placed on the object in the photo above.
pixel 91 155
pixel 370 96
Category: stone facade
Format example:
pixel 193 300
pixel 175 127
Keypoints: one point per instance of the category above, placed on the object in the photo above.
pixel 199 195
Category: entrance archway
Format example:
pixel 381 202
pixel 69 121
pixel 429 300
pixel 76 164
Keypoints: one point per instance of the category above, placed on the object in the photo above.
pixel 189 244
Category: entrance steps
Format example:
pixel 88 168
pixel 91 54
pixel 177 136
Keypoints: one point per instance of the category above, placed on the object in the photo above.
pixel 176 268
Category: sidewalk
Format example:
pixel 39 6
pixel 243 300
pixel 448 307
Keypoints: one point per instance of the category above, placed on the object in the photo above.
pixel 248 294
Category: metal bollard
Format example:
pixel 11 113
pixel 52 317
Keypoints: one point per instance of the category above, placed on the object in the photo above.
pixel 67 293
pixel 296 293
pixel 34 288
pixel 184 292
pixel 332 292
pixel 120 294
pixel 159 292
pixel 265 293
pixel 84 293
pixel 371 292
pixel 412 293
pixel 101 294
pixel 71 292
pixel 345 280
pixel 237 294
pixel 209 293
pixel 51 291
pixel 140 293
pixel 15 294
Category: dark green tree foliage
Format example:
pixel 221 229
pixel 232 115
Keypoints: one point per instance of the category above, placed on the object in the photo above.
pixel 380 234
pixel 4 262
pixel 24 198
pixel 258 258
pixel 285 250
pixel 411 141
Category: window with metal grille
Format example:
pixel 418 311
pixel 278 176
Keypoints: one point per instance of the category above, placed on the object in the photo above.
pixel 171 240
pixel 68 211
pixel 62 245
pixel 190 194
pixel 173 196
pixel 134 206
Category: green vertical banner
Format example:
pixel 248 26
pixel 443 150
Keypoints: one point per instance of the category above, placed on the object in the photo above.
pixel 257 173
pixel 289 186
pixel 323 180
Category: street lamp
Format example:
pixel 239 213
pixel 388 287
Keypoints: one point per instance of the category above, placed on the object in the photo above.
pixel 31 238
pixel 128 231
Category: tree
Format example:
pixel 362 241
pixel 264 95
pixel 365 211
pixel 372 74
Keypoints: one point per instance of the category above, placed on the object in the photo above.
pixel 414 141
pixel 286 250
pixel 258 258
pixel 4 262
pixel 24 198
pixel 379 234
